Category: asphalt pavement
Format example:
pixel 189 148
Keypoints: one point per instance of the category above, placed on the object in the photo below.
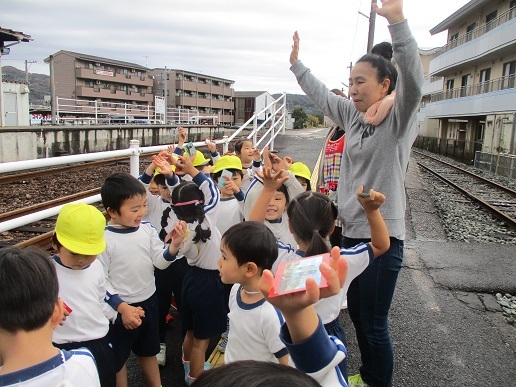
pixel 446 326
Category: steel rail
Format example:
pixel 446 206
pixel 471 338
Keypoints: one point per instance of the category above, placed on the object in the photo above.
pixel 49 204
pixel 509 221
pixel 483 179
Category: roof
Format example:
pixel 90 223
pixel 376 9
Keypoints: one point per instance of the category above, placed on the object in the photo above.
pixel 462 13
pixel 7 35
pixel 245 94
pixel 99 59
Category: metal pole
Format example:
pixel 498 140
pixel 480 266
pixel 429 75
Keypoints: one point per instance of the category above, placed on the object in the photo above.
pixel 284 113
pixel 166 94
pixel 2 122
pixel 134 158
pixel 372 20
pixel 53 100
pixel 255 125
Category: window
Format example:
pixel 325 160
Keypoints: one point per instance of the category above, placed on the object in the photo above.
pixel 464 90
pixel 512 8
pixel 449 88
pixel 453 40
pixel 509 73
pixel 485 76
pixel 469 31
pixel 490 23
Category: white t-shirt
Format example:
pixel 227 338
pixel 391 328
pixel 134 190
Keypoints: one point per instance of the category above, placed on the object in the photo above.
pixel 74 368
pixel 84 291
pixel 253 330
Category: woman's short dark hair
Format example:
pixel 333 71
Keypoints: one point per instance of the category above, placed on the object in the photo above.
pixel 312 217
pixel 252 242
pixel 252 373
pixel 189 191
pixel 28 289
pixel 380 59
pixel 119 187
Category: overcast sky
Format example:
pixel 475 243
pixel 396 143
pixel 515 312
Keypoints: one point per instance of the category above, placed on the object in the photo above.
pixel 247 41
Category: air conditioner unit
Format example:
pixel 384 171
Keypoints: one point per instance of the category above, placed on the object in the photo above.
pixel 133 70
pixel 97 82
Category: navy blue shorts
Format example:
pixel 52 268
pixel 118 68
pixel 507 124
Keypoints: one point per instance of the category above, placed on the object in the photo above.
pixel 203 303
pixel 142 341
pixel 104 358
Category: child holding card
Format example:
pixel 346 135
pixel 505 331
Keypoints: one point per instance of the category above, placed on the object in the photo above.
pixel 247 249
pixel 311 219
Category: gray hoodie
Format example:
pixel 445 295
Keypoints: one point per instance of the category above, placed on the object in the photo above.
pixel 376 157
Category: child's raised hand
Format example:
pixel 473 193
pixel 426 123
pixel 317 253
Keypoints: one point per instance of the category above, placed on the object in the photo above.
pixel 256 155
pixel 181 137
pixel 186 165
pixel 372 202
pixel 271 180
pixel 179 234
pixel 163 163
pixel 230 185
pixel 211 145
pixel 335 273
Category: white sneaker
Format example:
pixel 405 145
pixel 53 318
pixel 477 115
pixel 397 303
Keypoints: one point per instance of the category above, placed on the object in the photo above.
pixel 162 355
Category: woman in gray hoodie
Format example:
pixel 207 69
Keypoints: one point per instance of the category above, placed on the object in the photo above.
pixel 381 126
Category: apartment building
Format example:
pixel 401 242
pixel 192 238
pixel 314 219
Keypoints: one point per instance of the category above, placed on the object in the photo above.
pixel 428 127
pixel 207 94
pixel 477 99
pixel 249 102
pixel 109 84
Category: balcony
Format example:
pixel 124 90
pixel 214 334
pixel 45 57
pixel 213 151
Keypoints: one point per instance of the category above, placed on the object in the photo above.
pixel 182 84
pixel 496 96
pixel 105 76
pixel 492 40
pixel 97 92
pixel 432 85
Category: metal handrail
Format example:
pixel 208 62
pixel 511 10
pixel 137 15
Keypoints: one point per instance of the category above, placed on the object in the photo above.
pixel 479 31
pixel 502 83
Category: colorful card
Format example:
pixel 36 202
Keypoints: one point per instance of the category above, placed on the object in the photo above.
pixel 225 174
pixel 189 149
pixel 291 276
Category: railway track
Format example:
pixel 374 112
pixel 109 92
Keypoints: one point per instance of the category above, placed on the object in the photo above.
pixel 496 199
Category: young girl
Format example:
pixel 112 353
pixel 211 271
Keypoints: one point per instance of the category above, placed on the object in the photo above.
pixel 275 216
pixel 311 218
pixel 195 236
pixel 251 161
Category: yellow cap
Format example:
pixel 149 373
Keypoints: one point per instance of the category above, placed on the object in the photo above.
pixel 199 159
pixel 80 228
pixel 227 162
pixel 301 170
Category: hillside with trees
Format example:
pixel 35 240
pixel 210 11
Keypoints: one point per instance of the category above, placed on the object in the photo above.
pixel 39 84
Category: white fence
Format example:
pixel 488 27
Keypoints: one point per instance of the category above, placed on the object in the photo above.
pixel 273 125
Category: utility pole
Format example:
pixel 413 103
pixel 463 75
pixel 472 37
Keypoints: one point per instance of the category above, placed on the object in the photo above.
pixel 53 100
pixel 372 20
pixel 166 94
pixel 27 62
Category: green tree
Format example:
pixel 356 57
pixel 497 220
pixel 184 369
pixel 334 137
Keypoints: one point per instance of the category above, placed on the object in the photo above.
pixel 299 117
pixel 312 121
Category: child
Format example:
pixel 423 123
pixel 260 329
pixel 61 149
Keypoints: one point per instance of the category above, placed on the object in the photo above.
pixel 251 160
pixel 275 216
pixel 169 280
pixel 196 237
pixel 230 209
pixel 133 250
pixel 313 352
pixel 247 249
pixel 31 310
pixel 302 174
pixel 78 238
pixel 311 218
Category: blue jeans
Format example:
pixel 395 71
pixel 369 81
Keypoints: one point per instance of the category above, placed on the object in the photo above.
pixel 369 300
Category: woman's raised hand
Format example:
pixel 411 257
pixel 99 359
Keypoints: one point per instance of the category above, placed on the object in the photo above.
pixel 392 10
pixel 295 48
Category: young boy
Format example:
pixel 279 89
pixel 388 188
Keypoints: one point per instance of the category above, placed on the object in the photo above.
pixel 313 352
pixel 78 239
pixel 133 250
pixel 247 249
pixel 31 310
pixel 230 209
